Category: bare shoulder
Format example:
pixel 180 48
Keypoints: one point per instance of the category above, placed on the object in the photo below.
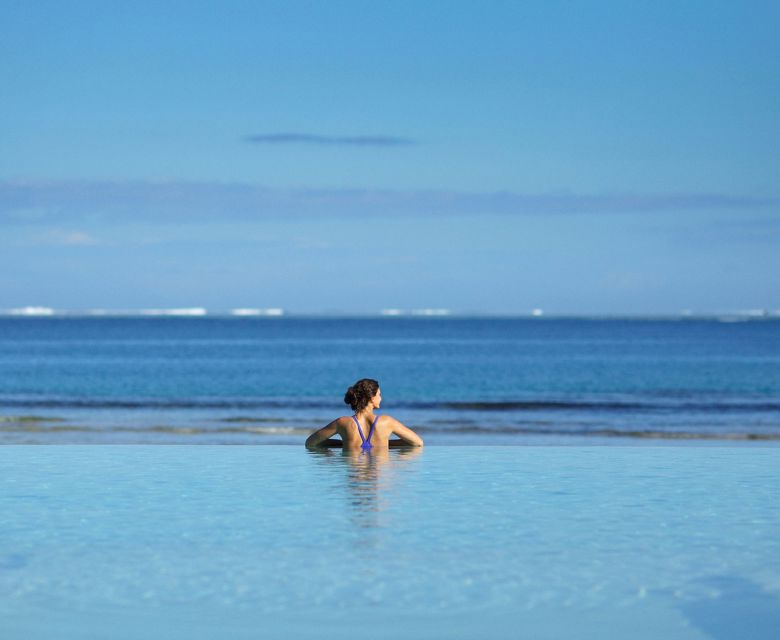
pixel 340 424
pixel 402 431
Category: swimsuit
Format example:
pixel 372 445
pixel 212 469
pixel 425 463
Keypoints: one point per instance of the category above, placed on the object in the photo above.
pixel 366 441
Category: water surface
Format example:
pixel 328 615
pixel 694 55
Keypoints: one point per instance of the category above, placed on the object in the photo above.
pixel 457 380
pixel 499 542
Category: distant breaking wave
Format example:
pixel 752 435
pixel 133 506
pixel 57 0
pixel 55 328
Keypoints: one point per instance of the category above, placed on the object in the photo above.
pixel 150 403
pixel 562 405
pixel 617 433
pixel 208 433
pixel 508 406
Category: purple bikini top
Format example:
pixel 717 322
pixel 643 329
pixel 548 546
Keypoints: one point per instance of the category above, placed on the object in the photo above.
pixel 366 441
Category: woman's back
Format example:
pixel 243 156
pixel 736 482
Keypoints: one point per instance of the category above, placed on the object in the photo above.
pixel 360 432
pixel 364 430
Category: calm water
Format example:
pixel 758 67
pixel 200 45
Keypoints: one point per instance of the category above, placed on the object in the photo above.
pixel 448 542
pixel 457 380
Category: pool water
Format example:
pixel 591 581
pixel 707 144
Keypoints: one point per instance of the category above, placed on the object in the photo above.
pixel 445 542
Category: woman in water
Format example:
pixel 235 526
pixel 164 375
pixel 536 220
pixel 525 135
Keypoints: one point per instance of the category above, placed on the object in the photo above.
pixel 364 397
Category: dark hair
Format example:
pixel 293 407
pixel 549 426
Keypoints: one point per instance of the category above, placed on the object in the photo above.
pixel 359 394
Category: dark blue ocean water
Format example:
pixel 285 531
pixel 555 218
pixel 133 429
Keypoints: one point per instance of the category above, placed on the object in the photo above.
pixel 456 380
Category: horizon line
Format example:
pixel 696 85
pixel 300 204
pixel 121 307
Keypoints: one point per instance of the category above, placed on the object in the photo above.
pixel 415 313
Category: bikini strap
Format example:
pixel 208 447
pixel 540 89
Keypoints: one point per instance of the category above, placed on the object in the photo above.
pixel 360 431
pixel 371 430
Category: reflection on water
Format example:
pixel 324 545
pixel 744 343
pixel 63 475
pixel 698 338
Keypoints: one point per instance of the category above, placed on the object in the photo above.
pixel 371 480
pixel 738 608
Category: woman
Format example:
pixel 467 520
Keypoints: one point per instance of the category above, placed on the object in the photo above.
pixel 364 430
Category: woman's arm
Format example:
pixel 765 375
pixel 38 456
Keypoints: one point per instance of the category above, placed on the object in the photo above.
pixel 405 433
pixel 320 437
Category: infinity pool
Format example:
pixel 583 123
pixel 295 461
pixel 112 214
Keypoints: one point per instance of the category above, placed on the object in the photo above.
pixel 449 542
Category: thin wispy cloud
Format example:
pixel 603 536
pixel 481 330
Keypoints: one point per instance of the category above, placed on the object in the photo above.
pixel 66 202
pixel 70 238
pixel 322 140
pixel 55 237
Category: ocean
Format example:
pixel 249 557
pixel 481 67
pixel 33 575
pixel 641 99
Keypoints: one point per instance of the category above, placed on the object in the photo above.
pixel 445 541
pixel 457 381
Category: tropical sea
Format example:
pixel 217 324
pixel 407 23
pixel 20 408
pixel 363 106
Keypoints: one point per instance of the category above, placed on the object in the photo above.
pixel 457 380
pixel 447 541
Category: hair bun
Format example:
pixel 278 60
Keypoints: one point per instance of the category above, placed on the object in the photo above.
pixel 359 394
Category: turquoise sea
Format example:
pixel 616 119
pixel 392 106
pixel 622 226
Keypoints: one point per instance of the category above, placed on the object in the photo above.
pixel 469 381
pixel 492 530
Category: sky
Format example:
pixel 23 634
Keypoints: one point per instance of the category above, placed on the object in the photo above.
pixel 348 157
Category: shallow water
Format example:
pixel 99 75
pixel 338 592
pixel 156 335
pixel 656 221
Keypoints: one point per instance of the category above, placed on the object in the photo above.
pixel 499 542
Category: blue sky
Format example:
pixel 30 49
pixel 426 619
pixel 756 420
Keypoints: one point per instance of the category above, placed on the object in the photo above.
pixel 580 157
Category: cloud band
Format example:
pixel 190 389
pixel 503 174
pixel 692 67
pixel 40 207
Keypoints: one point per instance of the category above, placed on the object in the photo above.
pixel 320 140
pixel 65 201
